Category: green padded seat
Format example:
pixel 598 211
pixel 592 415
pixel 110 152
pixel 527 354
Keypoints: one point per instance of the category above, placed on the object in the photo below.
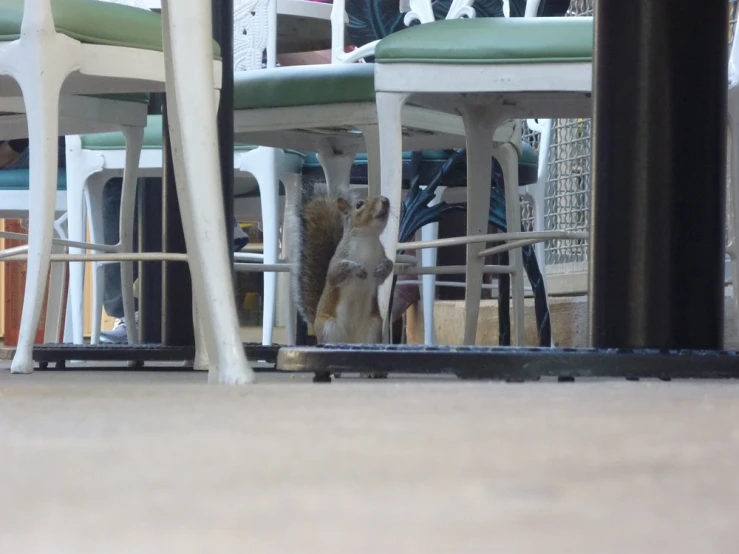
pixel 282 87
pixel 94 22
pixel 137 97
pixel 17 179
pixel 529 157
pixel 528 164
pixel 491 40
pixel 152 138
pixel 153 141
pixel 311 159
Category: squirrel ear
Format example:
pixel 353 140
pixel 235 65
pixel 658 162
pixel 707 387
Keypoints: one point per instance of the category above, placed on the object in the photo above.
pixel 343 205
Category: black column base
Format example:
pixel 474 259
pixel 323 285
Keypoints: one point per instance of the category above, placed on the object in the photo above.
pixel 60 353
pixel 511 363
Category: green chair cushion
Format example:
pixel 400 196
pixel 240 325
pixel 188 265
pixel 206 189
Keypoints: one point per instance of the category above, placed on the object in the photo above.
pixel 152 138
pixel 136 97
pixel 304 86
pixel 491 40
pixel 153 141
pixel 311 159
pixel 529 156
pixel 17 179
pixel 94 22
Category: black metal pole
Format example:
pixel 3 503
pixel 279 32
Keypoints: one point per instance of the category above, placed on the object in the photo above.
pixel 178 329
pixel 223 34
pixel 150 273
pixel 659 164
pixel 150 240
pixel 177 298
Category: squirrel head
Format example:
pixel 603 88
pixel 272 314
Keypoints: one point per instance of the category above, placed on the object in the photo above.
pixel 364 213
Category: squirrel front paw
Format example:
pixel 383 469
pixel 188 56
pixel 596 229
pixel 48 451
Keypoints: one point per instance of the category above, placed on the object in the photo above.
pixel 354 268
pixel 383 270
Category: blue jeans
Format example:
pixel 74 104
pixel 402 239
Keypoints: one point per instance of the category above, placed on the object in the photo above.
pixel 112 295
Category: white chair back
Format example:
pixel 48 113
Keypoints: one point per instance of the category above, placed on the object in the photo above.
pixel 255 30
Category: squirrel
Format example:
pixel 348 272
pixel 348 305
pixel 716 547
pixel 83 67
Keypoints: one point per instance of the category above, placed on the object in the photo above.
pixel 338 263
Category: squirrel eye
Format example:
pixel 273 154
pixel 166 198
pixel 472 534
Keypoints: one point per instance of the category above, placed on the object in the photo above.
pixel 359 205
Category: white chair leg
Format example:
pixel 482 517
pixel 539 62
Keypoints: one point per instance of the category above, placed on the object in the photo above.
pixel 68 327
pixel 540 252
pixel 389 112
pixel 54 304
pixel 479 125
pixel 67 331
pixel 201 362
pixel 82 166
pixel 428 287
pixel 337 167
pixel 269 193
pixel 507 156
pixel 134 142
pixel 537 194
pixel 292 183
pixel 76 222
pixel 40 79
pixel 371 134
pixel 189 73
pixel 537 191
pixel 98 296
pixel 540 226
pixel 94 200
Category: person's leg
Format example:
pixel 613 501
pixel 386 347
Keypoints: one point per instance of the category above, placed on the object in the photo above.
pixel 112 293
pixel 241 239
pixel 112 299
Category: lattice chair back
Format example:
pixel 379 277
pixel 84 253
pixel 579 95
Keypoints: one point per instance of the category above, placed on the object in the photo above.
pixel 581 8
pixel 255 34
pixel 254 26
pixel 567 190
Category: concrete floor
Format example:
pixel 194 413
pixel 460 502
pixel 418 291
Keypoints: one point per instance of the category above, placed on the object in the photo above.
pixel 120 462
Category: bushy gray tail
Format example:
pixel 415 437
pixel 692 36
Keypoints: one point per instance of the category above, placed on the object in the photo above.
pixel 314 227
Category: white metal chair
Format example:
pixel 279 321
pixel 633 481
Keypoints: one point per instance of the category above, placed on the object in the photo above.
pixel 330 109
pixel 92 160
pixel 15 203
pixel 252 35
pixel 90 47
pixel 533 193
pixel 487 70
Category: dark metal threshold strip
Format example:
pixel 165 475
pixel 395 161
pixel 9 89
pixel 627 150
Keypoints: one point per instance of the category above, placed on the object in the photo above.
pixel 510 363
pixel 136 355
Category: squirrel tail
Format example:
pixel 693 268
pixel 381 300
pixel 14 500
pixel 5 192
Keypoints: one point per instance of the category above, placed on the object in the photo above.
pixel 315 227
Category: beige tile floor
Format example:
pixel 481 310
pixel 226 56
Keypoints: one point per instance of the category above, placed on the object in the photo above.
pixel 119 462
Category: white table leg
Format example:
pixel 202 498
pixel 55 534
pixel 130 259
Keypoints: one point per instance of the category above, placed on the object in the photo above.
pixel 190 89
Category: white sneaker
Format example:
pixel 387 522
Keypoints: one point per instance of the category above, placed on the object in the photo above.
pixel 119 334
